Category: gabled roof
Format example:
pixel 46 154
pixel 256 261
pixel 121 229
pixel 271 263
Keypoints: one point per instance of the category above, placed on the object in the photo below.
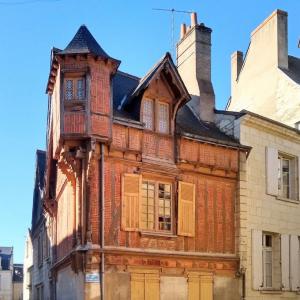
pixel 84 43
pixel 163 62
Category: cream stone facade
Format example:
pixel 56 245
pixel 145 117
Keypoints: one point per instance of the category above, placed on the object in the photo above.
pixel 263 214
pixel 267 80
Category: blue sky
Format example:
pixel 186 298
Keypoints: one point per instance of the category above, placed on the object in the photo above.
pixel 128 30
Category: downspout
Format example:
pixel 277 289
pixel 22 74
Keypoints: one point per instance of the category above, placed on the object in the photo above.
pixel 102 285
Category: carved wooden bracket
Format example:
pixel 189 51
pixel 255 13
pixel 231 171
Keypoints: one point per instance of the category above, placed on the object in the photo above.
pixel 50 206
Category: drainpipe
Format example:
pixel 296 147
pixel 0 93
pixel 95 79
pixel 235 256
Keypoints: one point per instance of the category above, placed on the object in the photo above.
pixel 102 286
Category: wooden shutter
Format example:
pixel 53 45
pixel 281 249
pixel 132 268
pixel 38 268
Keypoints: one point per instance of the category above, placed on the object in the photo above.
pixel 131 185
pixel 186 209
pixel 206 287
pixel 272 171
pixel 200 286
pixel 137 286
pixel 152 286
pixel 285 262
pixel 294 262
pixel 145 285
pixel 257 276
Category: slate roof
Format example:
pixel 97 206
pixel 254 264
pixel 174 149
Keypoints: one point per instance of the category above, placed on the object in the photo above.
pixel 84 43
pixel 294 68
pixel 126 86
pixel 188 123
pixel 38 188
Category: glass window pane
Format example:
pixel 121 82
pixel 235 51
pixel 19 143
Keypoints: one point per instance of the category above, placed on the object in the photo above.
pixel 80 89
pixel 148 113
pixel 163 117
pixel 69 89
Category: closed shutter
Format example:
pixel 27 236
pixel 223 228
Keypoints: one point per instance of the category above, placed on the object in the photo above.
pixel 285 262
pixel 186 209
pixel 257 276
pixel 200 286
pixel 137 286
pixel 206 287
pixel 131 185
pixel 152 286
pixel 294 262
pixel 145 285
pixel 272 171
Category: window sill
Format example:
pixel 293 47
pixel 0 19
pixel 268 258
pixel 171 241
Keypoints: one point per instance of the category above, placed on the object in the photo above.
pixel 271 291
pixel 158 234
pixel 287 200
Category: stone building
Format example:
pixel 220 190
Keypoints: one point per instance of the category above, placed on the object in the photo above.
pixel 269 225
pixel 38 279
pixel 140 183
pixel 6 272
pixel 17 282
pixel 267 80
pixel 27 268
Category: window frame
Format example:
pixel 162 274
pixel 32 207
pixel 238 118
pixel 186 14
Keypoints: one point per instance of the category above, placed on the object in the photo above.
pixel 156 206
pixel 153 113
pixel 75 77
pixel 266 249
pixel 156 115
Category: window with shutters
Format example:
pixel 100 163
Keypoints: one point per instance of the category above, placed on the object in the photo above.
pixel 74 88
pixel 287 187
pixel 282 174
pixel 156 206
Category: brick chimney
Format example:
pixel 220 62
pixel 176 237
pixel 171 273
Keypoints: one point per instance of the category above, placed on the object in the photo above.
pixel 194 66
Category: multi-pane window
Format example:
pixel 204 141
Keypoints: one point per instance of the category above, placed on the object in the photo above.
pixel 75 88
pixel 155 114
pixel 40 249
pixel 267 260
pixel 148 202
pixel 163 118
pixel 156 206
pixel 284 177
pixel 148 116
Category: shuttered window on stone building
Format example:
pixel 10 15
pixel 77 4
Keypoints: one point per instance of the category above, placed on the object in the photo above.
pixel 282 174
pixel 145 284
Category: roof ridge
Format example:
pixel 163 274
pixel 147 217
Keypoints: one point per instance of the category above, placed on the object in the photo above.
pixel 128 75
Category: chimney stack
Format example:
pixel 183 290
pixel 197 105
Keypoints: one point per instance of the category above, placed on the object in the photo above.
pixel 194 67
pixel 236 66
pixel 182 30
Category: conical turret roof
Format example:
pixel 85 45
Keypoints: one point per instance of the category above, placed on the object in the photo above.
pixel 84 43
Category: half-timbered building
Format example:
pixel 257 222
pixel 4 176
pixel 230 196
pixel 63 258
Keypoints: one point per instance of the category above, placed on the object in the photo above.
pixel 140 183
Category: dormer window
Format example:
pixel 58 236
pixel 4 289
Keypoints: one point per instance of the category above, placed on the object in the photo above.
pixel 155 116
pixel 74 88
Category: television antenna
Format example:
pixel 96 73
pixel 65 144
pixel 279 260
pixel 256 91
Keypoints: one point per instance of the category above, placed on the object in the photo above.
pixel 173 11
